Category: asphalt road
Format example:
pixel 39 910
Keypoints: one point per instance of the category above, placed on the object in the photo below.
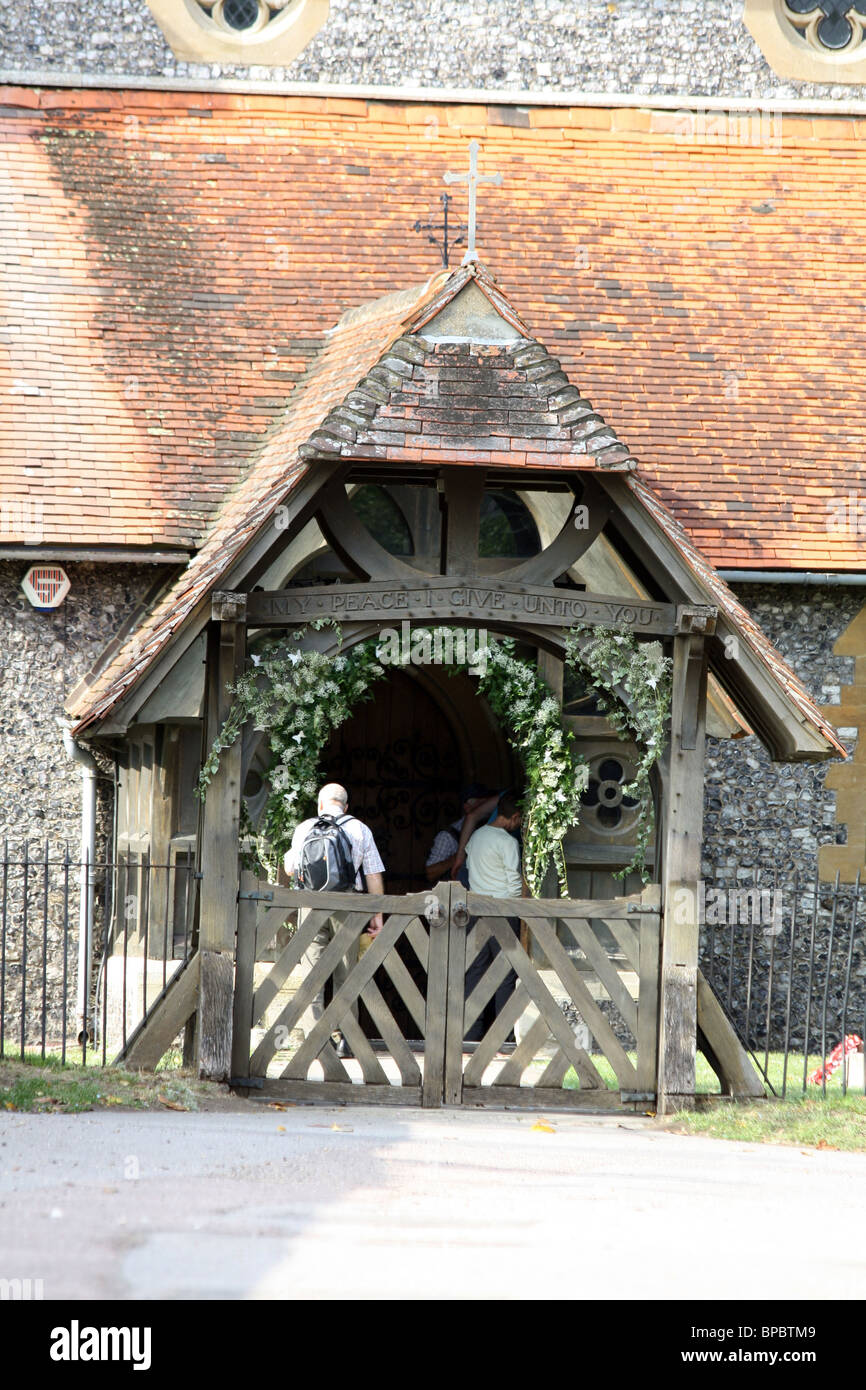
pixel 419 1204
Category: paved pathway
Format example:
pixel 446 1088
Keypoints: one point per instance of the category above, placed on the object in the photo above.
pixel 368 1203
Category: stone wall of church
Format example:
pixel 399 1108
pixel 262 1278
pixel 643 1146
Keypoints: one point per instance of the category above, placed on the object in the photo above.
pixel 764 822
pixel 635 47
pixel 44 654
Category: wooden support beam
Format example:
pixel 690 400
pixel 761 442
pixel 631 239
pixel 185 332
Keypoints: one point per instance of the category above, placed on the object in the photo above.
pixel 349 538
pixel 737 1073
pixel 464 493
pixel 219 849
pixel 582 526
pixel 165 1019
pixel 682 838
pixel 444 598
pixel 164 802
pixel 245 977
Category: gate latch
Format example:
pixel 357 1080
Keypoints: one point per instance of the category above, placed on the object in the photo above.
pixel 459 914
pixel 257 897
pixel 435 914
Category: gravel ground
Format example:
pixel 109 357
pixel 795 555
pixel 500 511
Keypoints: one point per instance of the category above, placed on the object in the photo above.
pixel 639 47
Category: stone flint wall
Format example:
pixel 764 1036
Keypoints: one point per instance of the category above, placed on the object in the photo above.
pixel 43 656
pixel 634 47
pixel 763 825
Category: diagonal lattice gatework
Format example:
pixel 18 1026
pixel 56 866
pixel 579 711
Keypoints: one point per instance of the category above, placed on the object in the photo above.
pixel 560 1007
pixel 295 998
pixel 570 998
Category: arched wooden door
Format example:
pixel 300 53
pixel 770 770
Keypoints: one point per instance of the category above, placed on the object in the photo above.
pixel 404 759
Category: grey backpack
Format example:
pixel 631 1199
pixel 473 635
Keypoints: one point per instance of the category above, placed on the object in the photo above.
pixel 326 858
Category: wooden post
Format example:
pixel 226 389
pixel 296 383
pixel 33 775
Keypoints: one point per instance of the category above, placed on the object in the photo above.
pixel 244 977
pixel 681 867
pixel 219 851
pixel 464 493
pixel 165 766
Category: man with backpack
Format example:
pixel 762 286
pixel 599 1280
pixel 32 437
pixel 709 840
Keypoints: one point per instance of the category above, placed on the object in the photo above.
pixel 335 852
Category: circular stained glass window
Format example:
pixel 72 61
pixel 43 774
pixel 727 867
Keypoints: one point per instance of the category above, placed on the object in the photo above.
pixel 605 801
pixel 240 14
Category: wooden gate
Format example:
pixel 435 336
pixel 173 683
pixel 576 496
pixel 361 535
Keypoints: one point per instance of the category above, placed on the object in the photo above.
pixel 575 985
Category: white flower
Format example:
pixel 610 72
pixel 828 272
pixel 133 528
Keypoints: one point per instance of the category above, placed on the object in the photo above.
pixel 256 659
pixel 299 738
pixel 293 657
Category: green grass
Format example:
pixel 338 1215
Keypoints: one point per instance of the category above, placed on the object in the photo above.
pixel 47 1085
pixel 813 1120
pixel 707 1083
pixel 172 1061
pixel 810 1121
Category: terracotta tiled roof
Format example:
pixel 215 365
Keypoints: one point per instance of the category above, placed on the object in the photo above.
pixel 377 378
pixel 354 347
pixel 374 357
pixel 509 404
pixel 173 261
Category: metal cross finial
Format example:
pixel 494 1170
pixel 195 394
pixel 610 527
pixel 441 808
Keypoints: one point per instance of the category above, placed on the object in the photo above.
pixel 473 178
pixel 447 243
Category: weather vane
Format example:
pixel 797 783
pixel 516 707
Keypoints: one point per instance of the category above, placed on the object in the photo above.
pixel 445 246
pixel 473 178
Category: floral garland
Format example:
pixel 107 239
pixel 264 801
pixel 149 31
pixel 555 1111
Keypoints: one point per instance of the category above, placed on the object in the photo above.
pixel 556 775
pixel 611 659
pixel 852 1042
pixel 300 697
pixel 525 706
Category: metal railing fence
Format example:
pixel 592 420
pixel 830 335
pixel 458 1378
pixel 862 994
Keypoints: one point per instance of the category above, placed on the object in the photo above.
pixel 786 958
pixel 81 1003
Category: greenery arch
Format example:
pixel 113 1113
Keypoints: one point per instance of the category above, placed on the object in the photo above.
pixel 300 697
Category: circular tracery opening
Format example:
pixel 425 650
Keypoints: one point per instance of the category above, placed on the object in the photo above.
pixel 604 799
pixel 240 14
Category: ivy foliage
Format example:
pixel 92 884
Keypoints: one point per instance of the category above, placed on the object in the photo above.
pixel 556 774
pixel 612 660
pixel 298 698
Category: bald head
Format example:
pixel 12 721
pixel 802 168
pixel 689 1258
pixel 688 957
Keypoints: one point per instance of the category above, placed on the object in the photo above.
pixel 333 799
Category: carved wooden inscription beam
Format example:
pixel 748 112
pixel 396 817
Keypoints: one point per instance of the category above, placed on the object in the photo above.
pixel 443 599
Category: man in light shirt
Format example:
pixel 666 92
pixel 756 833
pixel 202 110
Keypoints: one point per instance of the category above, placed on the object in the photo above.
pixel 493 861
pixel 477 802
pixel 369 871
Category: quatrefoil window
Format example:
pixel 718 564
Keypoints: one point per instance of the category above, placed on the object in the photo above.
pixel 606 805
pixel 813 40
pixel 829 24
pixel 241 16
pixel 267 32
